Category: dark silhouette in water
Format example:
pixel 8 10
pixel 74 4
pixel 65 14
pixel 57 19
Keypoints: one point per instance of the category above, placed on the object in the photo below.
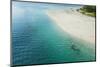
pixel 75 48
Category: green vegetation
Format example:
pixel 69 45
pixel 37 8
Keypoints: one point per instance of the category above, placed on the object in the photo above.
pixel 88 10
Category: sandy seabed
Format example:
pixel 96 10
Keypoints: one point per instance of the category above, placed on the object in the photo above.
pixel 74 23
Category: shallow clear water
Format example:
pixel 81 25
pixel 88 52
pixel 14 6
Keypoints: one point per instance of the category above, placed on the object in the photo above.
pixel 36 39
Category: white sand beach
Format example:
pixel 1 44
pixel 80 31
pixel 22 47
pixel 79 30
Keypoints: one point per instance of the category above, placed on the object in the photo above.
pixel 74 23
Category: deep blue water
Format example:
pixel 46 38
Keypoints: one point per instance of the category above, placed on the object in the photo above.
pixel 36 39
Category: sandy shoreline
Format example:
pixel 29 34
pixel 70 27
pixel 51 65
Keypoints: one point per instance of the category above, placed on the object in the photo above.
pixel 74 23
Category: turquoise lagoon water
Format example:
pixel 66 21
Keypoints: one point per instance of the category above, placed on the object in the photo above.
pixel 36 39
